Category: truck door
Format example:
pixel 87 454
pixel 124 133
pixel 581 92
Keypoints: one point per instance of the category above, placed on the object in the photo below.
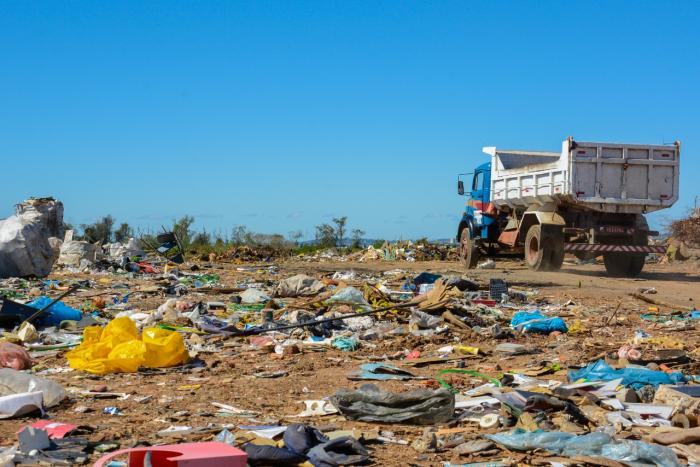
pixel 480 198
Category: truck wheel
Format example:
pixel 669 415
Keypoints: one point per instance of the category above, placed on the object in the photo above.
pixel 626 265
pixel 468 251
pixel 557 256
pixel 544 247
pixel 536 256
pixel 619 264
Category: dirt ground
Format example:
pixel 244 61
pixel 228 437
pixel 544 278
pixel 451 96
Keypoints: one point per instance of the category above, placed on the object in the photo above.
pixel 185 396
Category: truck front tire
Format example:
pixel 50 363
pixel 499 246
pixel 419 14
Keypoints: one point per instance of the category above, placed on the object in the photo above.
pixel 468 250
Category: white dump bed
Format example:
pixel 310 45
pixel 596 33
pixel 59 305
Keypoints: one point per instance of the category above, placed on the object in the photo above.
pixel 609 177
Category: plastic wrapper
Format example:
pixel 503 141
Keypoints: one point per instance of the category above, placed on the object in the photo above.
pixel 371 404
pixel 118 348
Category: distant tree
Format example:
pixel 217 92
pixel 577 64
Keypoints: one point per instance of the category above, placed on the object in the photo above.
pixel 183 230
pixel 100 231
pixel 202 238
pixel 123 233
pixel 239 235
pixel 340 229
pixel 295 236
pixel 357 235
pixel 325 235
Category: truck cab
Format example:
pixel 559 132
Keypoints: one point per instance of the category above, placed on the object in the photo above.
pixel 480 216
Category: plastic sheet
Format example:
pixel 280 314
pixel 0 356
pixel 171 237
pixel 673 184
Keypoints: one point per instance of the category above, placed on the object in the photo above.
pixel 537 322
pixel 591 444
pixel 631 377
pixel 350 296
pixel 299 285
pixel 16 382
pixel 118 348
pixel 372 404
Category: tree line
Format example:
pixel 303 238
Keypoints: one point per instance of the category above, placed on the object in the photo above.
pixel 327 235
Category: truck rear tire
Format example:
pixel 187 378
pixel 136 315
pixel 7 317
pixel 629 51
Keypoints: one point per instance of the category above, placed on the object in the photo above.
pixel 468 250
pixel 625 264
pixel 544 248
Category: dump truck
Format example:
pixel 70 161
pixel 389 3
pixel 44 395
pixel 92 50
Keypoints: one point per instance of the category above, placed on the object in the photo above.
pixel 588 200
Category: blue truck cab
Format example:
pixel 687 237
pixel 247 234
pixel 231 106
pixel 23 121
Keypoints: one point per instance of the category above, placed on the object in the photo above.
pixel 478 218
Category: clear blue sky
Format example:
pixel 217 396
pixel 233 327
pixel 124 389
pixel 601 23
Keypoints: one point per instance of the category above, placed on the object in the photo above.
pixel 281 114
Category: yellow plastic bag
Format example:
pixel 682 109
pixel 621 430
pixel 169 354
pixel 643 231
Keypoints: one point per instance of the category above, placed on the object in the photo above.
pixel 118 349
pixel 163 348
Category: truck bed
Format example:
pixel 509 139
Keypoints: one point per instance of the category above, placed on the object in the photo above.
pixel 606 177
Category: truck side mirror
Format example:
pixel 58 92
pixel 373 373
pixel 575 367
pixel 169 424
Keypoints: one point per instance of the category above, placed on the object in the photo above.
pixel 460 187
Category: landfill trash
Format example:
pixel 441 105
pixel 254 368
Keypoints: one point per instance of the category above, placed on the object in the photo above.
pixel 302 442
pixel 30 238
pixel 488 264
pixel 226 437
pixel 118 348
pixel 349 296
pixel 380 372
pixel 369 403
pixel 317 408
pixel 17 382
pixel 55 430
pixel 682 436
pixel 630 377
pixel 14 356
pixel 524 321
pixel 78 254
pixel 19 404
pixel 591 444
pixel 346 344
pixel 254 296
pixel 205 454
pixel 31 439
pixel 299 285
pixel 56 314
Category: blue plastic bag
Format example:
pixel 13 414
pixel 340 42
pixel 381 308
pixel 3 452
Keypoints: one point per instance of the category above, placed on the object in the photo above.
pixel 57 313
pixel 537 322
pixel 631 377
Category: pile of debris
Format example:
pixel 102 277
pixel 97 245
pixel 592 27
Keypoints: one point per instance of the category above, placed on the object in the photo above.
pixel 684 243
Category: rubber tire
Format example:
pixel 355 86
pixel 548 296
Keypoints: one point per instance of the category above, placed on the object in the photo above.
pixel 550 247
pixel 618 264
pixel 468 251
pixel 536 257
pixel 557 256
pixel 625 265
